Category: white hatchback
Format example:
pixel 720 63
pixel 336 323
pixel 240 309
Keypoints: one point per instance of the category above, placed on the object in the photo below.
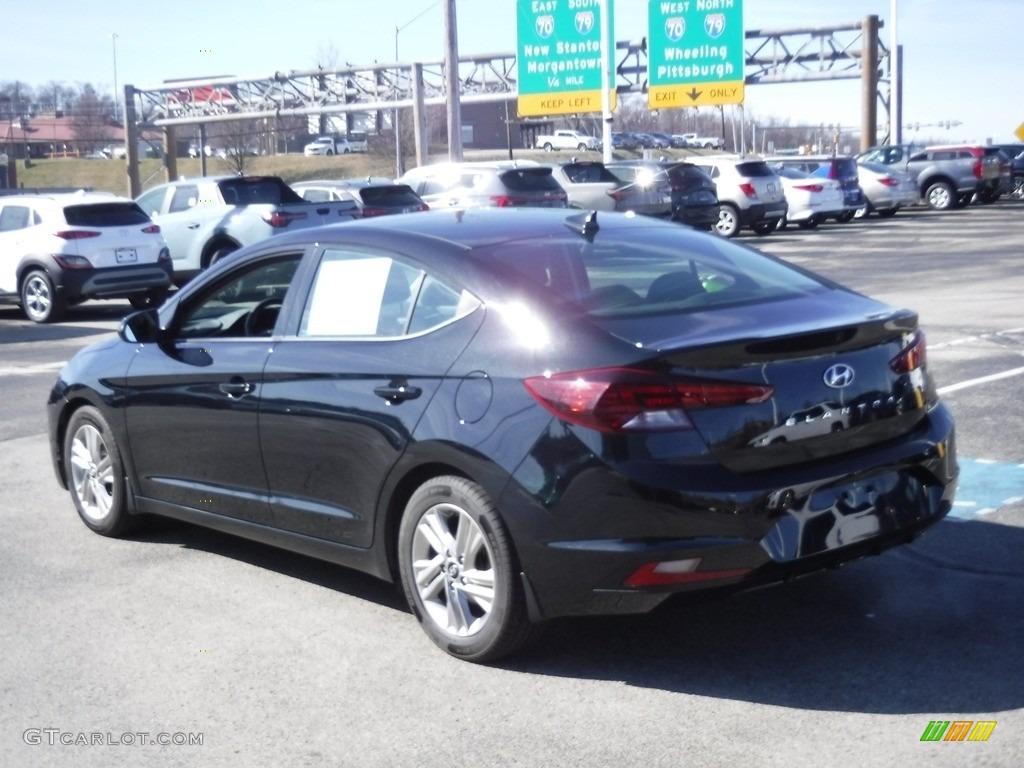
pixel 61 249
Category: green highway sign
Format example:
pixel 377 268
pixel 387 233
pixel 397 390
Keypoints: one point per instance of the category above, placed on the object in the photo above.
pixel 559 55
pixel 694 53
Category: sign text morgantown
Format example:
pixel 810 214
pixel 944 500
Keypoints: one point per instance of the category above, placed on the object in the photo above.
pixel 568 65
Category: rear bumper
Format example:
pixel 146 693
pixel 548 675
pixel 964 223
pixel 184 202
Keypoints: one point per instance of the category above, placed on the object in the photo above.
pixel 113 282
pixel 703 216
pixel 759 212
pixel 741 531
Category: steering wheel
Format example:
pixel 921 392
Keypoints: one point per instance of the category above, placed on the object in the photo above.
pixel 261 318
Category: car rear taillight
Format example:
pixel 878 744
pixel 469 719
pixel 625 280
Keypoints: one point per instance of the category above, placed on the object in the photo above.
pixel 77 234
pixel 748 190
pixel 72 262
pixel 280 219
pixel 912 356
pixel 889 181
pixel 811 187
pixel 977 168
pixel 668 572
pixel 616 194
pixel 506 201
pixel 152 229
pixel 368 212
pixel 633 400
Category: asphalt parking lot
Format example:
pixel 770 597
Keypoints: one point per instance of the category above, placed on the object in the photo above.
pixel 184 635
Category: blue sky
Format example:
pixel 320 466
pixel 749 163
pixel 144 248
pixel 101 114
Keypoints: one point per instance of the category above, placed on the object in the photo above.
pixel 962 58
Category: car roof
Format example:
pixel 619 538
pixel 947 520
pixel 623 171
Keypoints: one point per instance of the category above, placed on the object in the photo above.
pixel 80 197
pixel 503 165
pixel 467 228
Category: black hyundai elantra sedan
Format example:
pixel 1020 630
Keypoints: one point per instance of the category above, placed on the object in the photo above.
pixel 516 414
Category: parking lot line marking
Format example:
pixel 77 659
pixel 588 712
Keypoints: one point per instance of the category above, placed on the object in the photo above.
pixel 29 370
pixel 982 380
pixel 985 486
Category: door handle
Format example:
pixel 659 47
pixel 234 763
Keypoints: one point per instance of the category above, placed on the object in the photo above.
pixel 236 387
pixel 397 393
pixel 194 226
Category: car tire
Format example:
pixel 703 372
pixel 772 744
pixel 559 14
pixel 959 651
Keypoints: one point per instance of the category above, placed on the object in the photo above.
pixel 728 220
pixel 548 147
pixel 888 213
pixel 810 223
pixel 459 574
pixel 1018 188
pixel 329 152
pixel 940 196
pixel 39 299
pixel 762 228
pixel 988 196
pixel 845 217
pixel 95 473
pixel 581 147
pixel 149 299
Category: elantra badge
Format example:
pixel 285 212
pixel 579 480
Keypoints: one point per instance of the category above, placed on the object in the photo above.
pixel 839 376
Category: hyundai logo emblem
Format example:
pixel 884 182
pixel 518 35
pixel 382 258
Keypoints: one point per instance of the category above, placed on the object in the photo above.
pixel 838 376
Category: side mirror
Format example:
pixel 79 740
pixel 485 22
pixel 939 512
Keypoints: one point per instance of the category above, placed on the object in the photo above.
pixel 142 327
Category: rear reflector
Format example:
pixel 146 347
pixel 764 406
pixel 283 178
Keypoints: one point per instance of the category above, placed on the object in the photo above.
pixel 669 572
pixel 633 400
pixel 889 181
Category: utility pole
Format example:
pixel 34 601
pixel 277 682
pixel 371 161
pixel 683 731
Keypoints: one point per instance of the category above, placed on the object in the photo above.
pixel 452 85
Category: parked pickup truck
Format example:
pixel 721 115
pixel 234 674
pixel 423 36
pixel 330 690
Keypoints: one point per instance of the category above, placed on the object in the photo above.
pixel 567 139
pixel 205 219
pixel 702 142
pixel 948 176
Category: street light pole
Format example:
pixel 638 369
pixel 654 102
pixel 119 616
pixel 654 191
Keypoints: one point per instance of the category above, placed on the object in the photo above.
pixel 399 160
pixel 113 42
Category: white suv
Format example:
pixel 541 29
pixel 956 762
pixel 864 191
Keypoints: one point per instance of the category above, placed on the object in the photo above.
pixel 61 249
pixel 749 191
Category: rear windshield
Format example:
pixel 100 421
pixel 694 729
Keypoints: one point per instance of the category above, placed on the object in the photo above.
pixel 619 274
pixel 256 191
pixel 754 168
pixel 530 180
pixel 113 214
pixel 589 173
pixel 688 172
pixel 397 194
pixel 846 167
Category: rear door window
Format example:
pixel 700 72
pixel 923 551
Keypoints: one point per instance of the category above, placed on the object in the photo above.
pixel 14 217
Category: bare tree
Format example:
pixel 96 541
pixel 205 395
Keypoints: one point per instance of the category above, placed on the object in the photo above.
pixel 92 121
pixel 236 142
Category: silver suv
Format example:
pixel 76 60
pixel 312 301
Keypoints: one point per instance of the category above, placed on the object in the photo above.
pixel 499 184
pixel 61 249
pixel 750 193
